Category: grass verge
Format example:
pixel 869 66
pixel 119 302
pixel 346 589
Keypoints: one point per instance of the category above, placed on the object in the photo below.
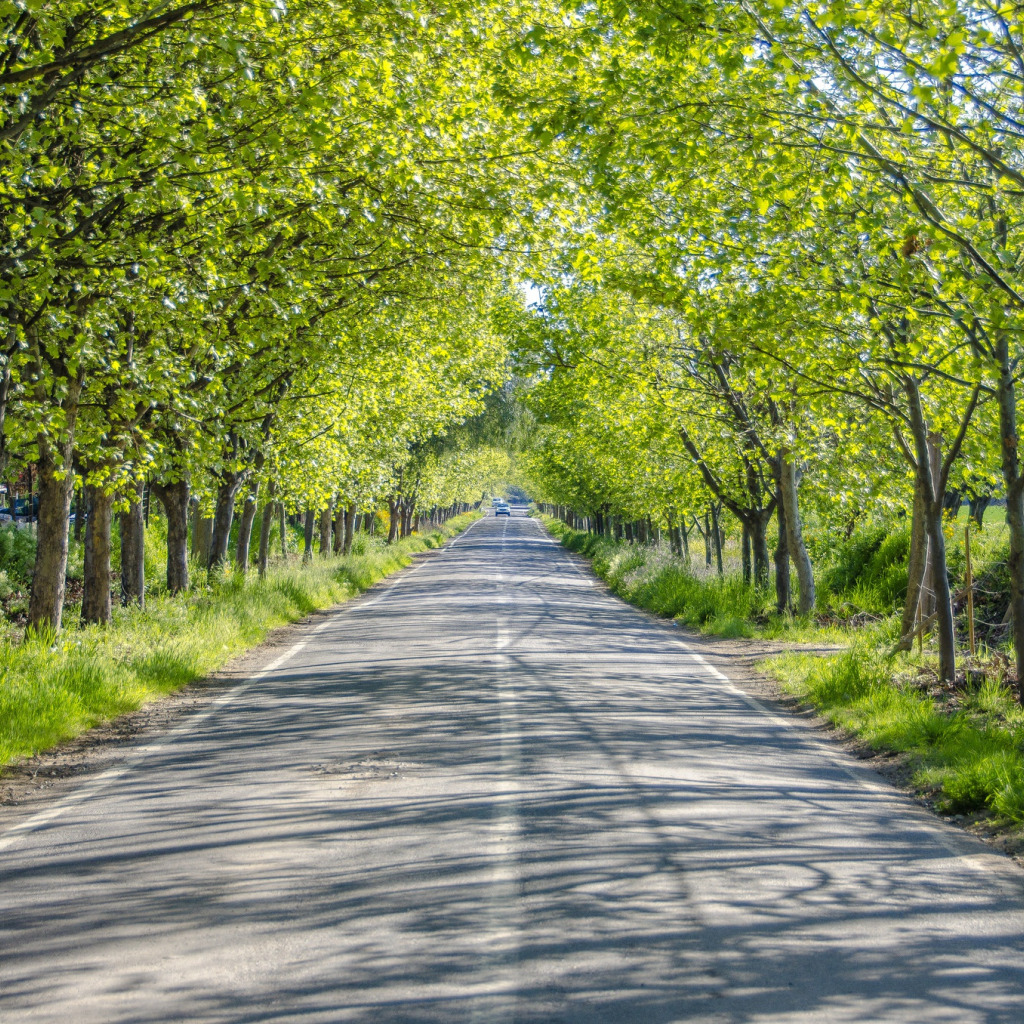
pixel 55 688
pixel 655 580
pixel 965 747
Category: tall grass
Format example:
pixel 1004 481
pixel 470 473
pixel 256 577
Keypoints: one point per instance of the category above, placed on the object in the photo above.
pixel 55 687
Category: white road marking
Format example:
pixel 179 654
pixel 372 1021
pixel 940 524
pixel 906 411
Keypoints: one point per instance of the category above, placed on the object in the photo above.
pixel 100 782
pixel 980 862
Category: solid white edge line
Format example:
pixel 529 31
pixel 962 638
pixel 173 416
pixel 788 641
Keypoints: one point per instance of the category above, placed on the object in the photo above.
pixel 97 784
pixel 979 861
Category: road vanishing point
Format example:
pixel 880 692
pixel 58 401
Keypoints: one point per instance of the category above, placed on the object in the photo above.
pixel 488 791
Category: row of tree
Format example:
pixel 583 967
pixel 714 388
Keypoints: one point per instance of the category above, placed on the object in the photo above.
pixel 241 247
pixel 796 256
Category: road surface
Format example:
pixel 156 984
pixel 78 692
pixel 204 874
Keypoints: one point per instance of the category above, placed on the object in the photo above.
pixel 490 792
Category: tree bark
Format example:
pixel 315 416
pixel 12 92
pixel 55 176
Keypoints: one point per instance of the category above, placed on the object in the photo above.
pixel 759 545
pixel 245 521
pixel 916 563
pixel 175 499
pixel 790 482
pixel 223 516
pixel 79 513
pixel 325 530
pixel 56 483
pixel 133 551
pixel 350 528
pixel 783 597
pixel 96 594
pixel 745 543
pixel 933 487
pixel 282 523
pixel 339 528
pixel 266 522
pixel 1014 482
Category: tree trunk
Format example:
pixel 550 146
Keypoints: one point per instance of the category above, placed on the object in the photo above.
pixel 783 599
pixel 96 594
pixel 790 479
pixel 339 528
pixel 133 551
pixel 394 521
pixel 759 545
pixel 282 522
pixel 928 468
pixel 976 509
pixel 1014 482
pixel 245 522
pixel 350 528
pixel 325 531
pixel 79 513
pixel 918 560
pixel 307 536
pixel 49 576
pixel 175 498
pixel 223 515
pixel 56 481
pixel 266 523
pixel 745 544
pixel 716 537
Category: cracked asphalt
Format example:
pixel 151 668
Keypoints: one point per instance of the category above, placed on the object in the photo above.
pixel 489 791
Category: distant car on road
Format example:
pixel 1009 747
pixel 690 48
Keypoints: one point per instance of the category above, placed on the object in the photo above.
pixel 502 510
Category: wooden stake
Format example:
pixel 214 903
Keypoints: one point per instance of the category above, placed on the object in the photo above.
pixel 970 589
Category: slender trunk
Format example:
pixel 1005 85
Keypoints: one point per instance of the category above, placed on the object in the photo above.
pixel 96 593
pixel 350 528
pixel 1014 482
pixel 916 564
pixel 394 524
pixel 759 544
pixel 716 537
pixel 795 536
pixel 339 528
pixel 245 521
pixel 925 445
pixel 175 498
pixel 266 523
pixel 307 536
pixel 783 598
pixel 282 522
pixel 133 551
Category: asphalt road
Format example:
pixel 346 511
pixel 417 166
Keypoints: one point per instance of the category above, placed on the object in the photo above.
pixel 490 792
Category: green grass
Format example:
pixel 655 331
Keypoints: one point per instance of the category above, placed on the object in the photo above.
pixel 53 688
pixel 970 759
pixel 653 579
